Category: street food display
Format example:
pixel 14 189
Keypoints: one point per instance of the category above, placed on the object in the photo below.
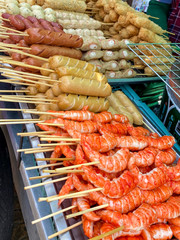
pixel 122 178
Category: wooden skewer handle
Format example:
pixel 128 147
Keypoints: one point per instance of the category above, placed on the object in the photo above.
pixel 65 230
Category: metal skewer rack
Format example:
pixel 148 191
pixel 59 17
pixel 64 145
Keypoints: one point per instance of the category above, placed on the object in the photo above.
pixel 163 60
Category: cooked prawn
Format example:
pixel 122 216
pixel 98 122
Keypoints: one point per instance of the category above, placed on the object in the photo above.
pixel 168 156
pixel 175 185
pixel 82 115
pixel 103 117
pixel 56 131
pixel 84 204
pixel 139 219
pixel 102 143
pixel 162 143
pixel 67 187
pixel 175 221
pixel 146 234
pixel 87 227
pixel 118 128
pixel 124 204
pixel 97 228
pixel 74 203
pixel 106 227
pixel 137 131
pixel 73 133
pixel 115 163
pixel 132 143
pixel 131 238
pixel 120 118
pixel 56 154
pixel 115 188
pixel 145 169
pixel 133 199
pixel 154 135
pixel 172 172
pixel 157 195
pixel 176 231
pixel 68 152
pixel 59 121
pixel 79 183
pixel 83 127
pixel 151 180
pixel 161 231
pixel 143 158
pixel 169 209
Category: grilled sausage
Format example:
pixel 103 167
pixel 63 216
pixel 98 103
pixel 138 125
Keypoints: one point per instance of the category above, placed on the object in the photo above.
pixel 48 51
pixel 52 38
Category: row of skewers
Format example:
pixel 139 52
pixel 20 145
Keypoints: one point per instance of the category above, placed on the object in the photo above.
pixel 138 28
pixel 123 175
pixel 62 43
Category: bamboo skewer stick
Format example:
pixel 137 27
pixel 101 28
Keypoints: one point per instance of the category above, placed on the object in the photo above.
pixel 11 29
pixel 38 112
pixel 52 136
pixel 23 101
pixel 76 166
pixel 59 139
pixel 24 79
pixel 40 150
pixel 34 99
pixel 8 123
pixel 86 211
pixel 21 52
pixel 5 19
pixel 46 176
pixel 52 214
pixel 11 109
pixel 65 230
pixel 65 172
pixel 45 183
pixel 72 195
pixel 14 34
pixel 55 144
pixel 26 65
pixel 4 36
pixel 170 32
pixel 17 120
pixel 53 124
pixel 18 83
pixel 24 134
pixel 107 233
pixel 55 159
pixel 30 149
pixel 29 79
pixel 23 73
pixel 44 166
pixel 44 198
pixel 14 91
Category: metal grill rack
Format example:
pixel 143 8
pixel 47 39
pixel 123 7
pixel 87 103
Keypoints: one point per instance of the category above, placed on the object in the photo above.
pixel 162 60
